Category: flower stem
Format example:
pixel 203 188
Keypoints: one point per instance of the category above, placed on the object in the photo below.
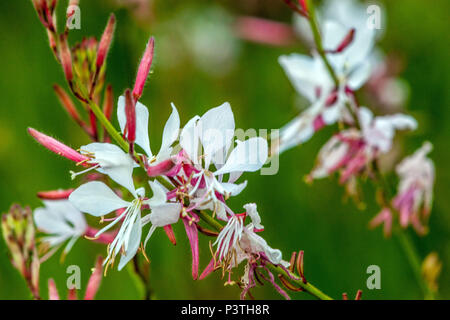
pixel 308 287
pixel 318 41
pixel 414 261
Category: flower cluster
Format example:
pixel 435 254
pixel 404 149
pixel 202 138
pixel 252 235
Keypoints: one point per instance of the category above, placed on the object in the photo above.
pixel 344 59
pixel 134 191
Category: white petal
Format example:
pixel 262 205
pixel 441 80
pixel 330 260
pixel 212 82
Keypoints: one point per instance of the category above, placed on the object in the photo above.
pixel 50 222
pixel 189 139
pixel 217 130
pixel 251 210
pixel 159 195
pixel 96 198
pixel 249 155
pixel 360 75
pixel 365 117
pixel 114 162
pixel 133 245
pixel 305 73
pixel 171 131
pixel 165 214
pixel 233 189
pixel 142 115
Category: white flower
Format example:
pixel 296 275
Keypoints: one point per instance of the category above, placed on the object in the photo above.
pixel 163 213
pixel 415 191
pixel 379 132
pixel 170 133
pixel 97 199
pixel 61 221
pixel 237 242
pixel 206 141
pixel 111 160
pixel 310 77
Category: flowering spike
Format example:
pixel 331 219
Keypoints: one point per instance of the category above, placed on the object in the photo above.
pixel 54 194
pixel 358 295
pixel 66 57
pixel 130 112
pixel 58 147
pixel 19 234
pixel 94 280
pixel 105 41
pixel 144 69
pixel 344 296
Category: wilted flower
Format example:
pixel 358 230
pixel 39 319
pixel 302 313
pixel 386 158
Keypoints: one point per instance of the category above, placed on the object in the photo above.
pixel 351 150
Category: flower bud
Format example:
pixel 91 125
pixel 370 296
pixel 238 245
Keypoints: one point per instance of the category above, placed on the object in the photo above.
pixel 54 194
pixel 431 269
pixel 19 234
pixel 58 147
pixel 346 42
pixel 66 57
pixel 144 69
pixel 67 104
pixel 105 41
pixel 130 112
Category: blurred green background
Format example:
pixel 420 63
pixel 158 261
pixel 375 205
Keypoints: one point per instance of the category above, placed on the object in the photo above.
pixel 199 64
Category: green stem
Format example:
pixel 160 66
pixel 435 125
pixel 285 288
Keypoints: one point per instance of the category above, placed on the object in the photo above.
pixel 108 126
pixel 318 41
pixel 209 220
pixel 415 263
pixel 308 287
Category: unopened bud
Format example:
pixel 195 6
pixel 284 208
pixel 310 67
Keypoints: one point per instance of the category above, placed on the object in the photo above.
pixel 66 57
pixel 19 234
pixel 346 42
pixel 58 147
pixel 144 69
pixel 55 194
pixel 67 104
pixel 130 112
pixel 105 41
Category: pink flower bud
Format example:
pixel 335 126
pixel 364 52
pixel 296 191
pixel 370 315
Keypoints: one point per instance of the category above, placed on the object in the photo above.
pixel 304 5
pixel 58 147
pixel 52 290
pixel 67 103
pixel 144 69
pixel 55 194
pixel 346 42
pixel 105 41
pixel 130 112
pixel 66 57
pixel 94 280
